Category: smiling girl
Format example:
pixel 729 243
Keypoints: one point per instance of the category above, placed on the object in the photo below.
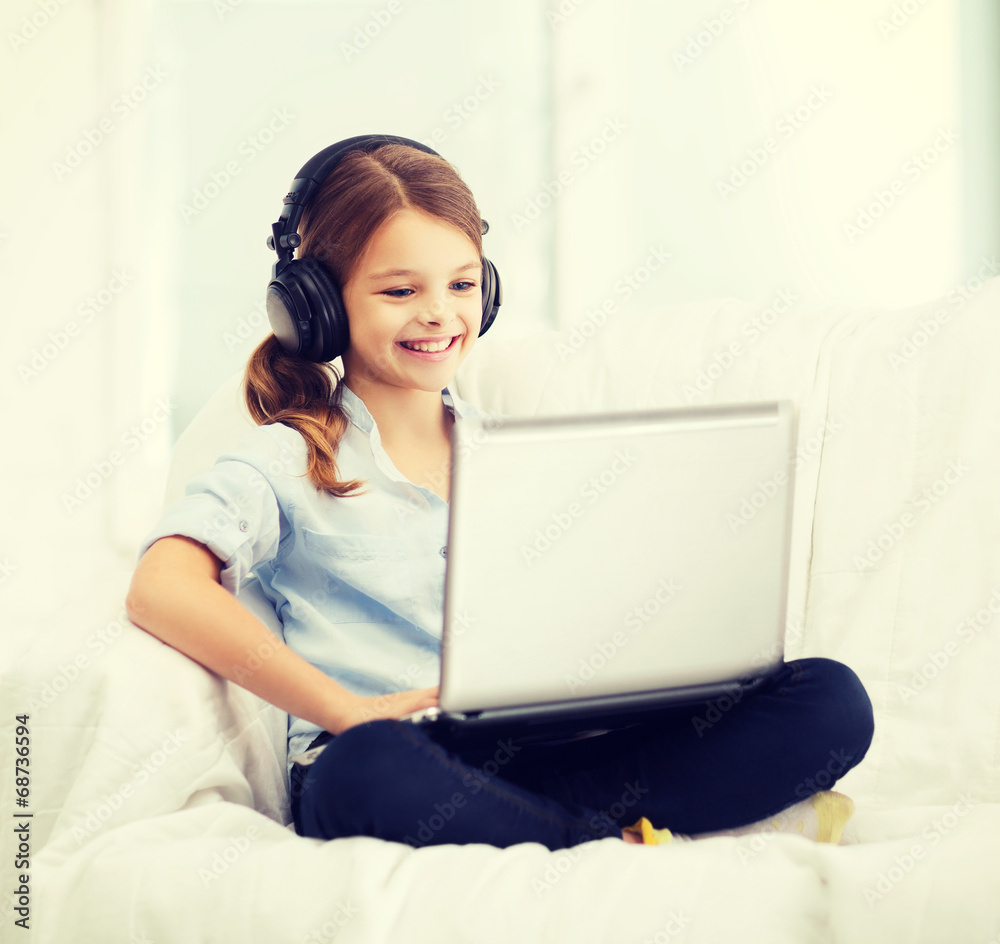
pixel 337 502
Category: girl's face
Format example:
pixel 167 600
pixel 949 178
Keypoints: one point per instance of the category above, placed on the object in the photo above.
pixel 418 282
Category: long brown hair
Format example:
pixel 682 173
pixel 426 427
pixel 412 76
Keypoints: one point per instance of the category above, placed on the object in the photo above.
pixel 362 193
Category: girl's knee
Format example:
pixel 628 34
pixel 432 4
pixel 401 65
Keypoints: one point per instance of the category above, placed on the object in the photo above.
pixel 842 697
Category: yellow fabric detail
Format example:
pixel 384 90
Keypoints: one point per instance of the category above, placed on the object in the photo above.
pixel 650 836
pixel 833 810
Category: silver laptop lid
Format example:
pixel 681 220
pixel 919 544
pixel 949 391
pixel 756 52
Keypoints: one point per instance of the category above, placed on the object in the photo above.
pixel 596 555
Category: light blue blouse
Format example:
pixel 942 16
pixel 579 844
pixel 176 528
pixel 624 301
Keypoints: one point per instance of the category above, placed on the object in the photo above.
pixel 357 582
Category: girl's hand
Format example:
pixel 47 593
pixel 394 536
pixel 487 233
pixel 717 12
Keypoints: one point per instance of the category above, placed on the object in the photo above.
pixel 393 705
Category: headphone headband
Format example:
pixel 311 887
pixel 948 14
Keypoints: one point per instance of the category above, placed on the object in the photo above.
pixel 284 233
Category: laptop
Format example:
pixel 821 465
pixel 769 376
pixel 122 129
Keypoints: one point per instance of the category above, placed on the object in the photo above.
pixel 605 567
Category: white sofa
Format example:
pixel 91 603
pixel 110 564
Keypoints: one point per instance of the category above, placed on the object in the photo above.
pixel 159 790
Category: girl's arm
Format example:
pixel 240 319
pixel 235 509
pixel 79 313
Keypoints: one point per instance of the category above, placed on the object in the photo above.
pixel 176 596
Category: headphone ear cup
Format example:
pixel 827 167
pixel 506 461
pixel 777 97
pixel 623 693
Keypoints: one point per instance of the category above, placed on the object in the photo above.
pixel 330 327
pixel 306 311
pixel 492 295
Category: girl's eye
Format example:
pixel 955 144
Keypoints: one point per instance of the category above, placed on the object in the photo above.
pixel 462 286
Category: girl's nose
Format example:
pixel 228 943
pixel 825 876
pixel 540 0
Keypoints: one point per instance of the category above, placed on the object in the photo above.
pixel 434 310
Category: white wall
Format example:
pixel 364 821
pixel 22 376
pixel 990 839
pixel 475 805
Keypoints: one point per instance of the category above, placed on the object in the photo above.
pixel 757 135
pixel 72 262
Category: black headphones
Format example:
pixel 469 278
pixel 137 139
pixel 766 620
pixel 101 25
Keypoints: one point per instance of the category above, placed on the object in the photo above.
pixel 304 303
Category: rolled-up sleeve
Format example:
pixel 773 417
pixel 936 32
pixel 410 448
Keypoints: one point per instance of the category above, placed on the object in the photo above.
pixel 233 511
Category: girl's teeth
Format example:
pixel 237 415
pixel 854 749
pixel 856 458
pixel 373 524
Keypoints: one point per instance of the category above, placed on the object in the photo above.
pixel 427 347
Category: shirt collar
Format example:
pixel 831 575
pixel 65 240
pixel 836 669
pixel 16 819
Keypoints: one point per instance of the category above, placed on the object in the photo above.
pixel 358 413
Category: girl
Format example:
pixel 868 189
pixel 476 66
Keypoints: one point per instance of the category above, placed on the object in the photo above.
pixel 338 503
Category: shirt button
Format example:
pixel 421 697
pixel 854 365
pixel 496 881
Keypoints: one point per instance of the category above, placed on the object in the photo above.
pixel 244 525
pixel 444 551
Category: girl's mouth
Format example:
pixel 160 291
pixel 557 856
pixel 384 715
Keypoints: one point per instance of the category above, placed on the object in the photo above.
pixel 431 355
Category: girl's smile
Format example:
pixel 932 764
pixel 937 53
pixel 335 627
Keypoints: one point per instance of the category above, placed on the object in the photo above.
pixel 435 349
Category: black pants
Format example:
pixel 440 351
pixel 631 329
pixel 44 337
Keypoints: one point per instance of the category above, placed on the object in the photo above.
pixel 697 768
